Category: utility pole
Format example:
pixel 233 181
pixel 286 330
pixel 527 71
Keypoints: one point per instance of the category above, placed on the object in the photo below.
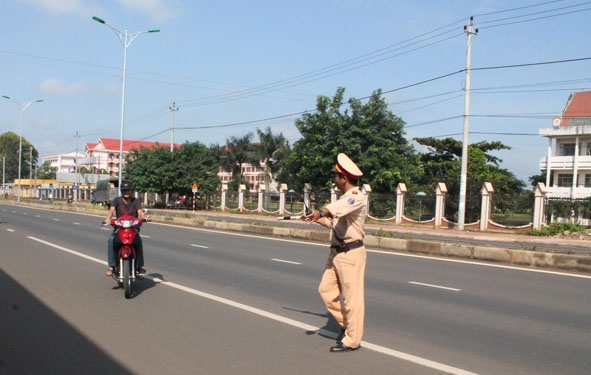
pixel 30 169
pixel 174 108
pixel 76 166
pixel 469 30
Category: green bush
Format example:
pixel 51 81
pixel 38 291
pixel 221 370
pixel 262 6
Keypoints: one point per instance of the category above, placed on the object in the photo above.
pixel 557 228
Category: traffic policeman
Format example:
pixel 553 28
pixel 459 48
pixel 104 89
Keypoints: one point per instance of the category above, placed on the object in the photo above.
pixel 344 272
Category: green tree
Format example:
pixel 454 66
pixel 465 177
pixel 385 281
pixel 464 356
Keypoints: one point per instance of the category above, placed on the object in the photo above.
pixel 151 169
pixel 442 163
pixel 198 163
pixel 369 133
pixel 159 170
pixel 271 150
pixel 535 179
pixel 236 153
pixel 46 171
pixel 9 149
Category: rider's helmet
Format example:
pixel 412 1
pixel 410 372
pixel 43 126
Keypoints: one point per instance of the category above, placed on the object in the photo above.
pixel 126 185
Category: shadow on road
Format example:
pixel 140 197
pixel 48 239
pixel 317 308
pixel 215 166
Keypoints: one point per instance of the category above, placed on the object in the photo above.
pixel 34 340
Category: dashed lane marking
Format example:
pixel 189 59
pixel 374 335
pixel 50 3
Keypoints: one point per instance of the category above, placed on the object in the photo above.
pixel 435 286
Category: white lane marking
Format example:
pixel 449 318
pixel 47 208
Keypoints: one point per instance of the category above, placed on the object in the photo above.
pixel 103 228
pixel 56 219
pixel 434 286
pixel 75 223
pixel 474 263
pixel 67 250
pixel 201 246
pixel 285 261
pixel 37 215
pixel 278 318
pixel 9 230
pixel 143 236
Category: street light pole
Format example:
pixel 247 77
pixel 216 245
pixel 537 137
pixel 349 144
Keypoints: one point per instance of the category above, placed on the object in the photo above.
pixel 22 105
pixel 126 40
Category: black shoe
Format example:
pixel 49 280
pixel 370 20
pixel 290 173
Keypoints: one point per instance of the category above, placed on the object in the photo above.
pixel 341 348
pixel 341 336
pixel 141 271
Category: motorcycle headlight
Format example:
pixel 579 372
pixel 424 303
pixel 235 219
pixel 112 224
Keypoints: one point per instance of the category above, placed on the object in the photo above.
pixel 126 223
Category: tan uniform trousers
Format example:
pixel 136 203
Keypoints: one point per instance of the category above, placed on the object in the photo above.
pixel 344 276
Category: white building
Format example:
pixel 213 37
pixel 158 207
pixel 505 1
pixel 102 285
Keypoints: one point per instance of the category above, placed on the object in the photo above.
pixel 65 163
pixel 100 156
pixel 568 164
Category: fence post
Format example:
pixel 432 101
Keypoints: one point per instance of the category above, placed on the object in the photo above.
pixel 241 189
pixel 282 190
pixel 440 195
pixel 540 192
pixel 224 192
pixel 262 189
pixel 307 190
pixel 366 191
pixel 333 193
pixel 487 191
pixel 400 193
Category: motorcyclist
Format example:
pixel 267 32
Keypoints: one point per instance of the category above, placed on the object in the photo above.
pixel 126 204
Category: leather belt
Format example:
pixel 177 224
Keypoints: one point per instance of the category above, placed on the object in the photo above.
pixel 337 249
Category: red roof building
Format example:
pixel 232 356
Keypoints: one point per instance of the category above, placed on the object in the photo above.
pixel 106 152
pixel 568 164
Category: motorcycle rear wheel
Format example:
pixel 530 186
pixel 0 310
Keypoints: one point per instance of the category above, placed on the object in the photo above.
pixel 127 277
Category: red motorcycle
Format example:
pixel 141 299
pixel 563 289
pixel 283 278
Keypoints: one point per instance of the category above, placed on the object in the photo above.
pixel 125 271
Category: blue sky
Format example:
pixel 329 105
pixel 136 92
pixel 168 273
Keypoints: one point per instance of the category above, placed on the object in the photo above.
pixel 234 66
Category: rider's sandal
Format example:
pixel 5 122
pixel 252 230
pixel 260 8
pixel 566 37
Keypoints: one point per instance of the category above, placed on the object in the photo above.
pixel 141 270
pixel 109 271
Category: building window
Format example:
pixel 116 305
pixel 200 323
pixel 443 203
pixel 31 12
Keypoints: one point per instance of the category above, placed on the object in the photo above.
pixel 565 180
pixel 587 180
pixel 567 149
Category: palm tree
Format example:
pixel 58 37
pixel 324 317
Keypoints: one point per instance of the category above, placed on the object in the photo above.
pixel 237 152
pixel 270 150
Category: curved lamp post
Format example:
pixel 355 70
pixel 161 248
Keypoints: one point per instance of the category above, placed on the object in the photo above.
pixel 22 106
pixel 126 40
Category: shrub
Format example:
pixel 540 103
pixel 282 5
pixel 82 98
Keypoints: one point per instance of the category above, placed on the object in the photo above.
pixel 557 228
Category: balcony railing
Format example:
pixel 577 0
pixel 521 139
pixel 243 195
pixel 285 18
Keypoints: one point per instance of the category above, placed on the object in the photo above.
pixel 567 192
pixel 565 163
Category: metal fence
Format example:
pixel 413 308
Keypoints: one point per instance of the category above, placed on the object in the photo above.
pixel 512 211
pixel 271 202
pixel 382 206
pixel 472 209
pixel 419 207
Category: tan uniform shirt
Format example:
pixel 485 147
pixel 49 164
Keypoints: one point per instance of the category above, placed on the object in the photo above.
pixel 348 217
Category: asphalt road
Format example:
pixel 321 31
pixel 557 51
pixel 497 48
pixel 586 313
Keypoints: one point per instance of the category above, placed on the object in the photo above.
pixel 228 303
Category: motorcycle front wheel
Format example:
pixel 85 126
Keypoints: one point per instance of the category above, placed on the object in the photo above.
pixel 127 277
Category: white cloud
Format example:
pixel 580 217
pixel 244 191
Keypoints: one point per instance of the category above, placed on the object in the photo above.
pixel 56 87
pixel 159 10
pixel 63 7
